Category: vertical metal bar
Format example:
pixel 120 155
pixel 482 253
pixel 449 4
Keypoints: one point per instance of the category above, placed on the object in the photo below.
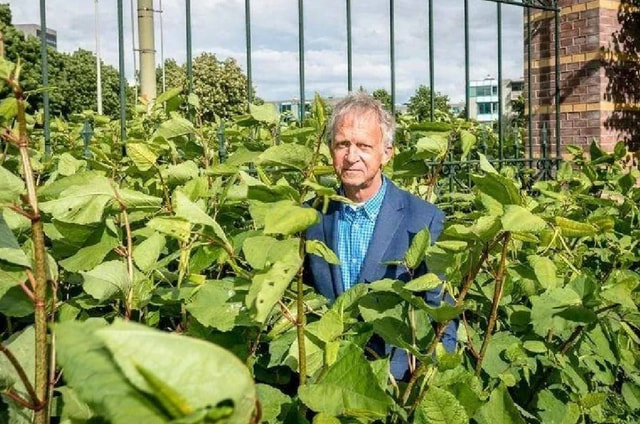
pixel 529 89
pixel 500 105
pixel 247 22
pixel 98 60
pixel 123 92
pixel 164 74
pixel 557 72
pixel 134 49
pixel 349 51
pixel 301 57
pixel 189 48
pixel 45 76
pixel 431 62
pixel 392 55
pixel 467 79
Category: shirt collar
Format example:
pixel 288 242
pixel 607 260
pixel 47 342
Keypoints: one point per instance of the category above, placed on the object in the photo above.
pixel 371 207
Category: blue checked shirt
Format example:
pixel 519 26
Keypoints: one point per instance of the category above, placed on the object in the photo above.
pixel 355 228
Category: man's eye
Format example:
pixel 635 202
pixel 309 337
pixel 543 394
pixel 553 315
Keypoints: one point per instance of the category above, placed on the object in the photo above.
pixel 364 147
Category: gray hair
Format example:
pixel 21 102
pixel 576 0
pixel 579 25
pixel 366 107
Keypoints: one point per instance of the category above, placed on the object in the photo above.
pixel 362 103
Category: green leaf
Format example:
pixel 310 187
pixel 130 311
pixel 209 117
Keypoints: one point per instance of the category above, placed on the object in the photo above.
pixel 288 218
pixel 134 200
pixel 433 146
pixel 535 346
pixel 91 372
pixel 498 187
pixel 174 127
pixel 176 227
pixel 81 204
pixel 68 165
pixel 546 308
pixel 275 404
pixel 423 283
pixel 146 253
pixel 416 251
pixel 220 375
pixel 264 113
pixel 217 304
pixel 571 228
pixel 22 346
pixel 9 108
pixel 289 155
pixel 468 141
pixel 518 219
pixel 318 248
pixel 499 409
pixel 107 280
pixel 92 253
pixel 185 208
pixel 348 388
pixel 439 406
pixel 631 395
pixel 10 250
pixel 545 270
pixel 11 186
pixel 142 156
pixel 267 287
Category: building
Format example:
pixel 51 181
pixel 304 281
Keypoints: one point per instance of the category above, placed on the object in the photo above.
pixel 484 101
pixel 35 30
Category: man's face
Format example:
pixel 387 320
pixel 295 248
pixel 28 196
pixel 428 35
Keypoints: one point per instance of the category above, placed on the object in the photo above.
pixel 359 153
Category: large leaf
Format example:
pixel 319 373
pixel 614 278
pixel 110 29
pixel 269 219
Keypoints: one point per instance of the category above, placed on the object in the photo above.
pixel 416 251
pixel 264 113
pixel 438 406
pixel 107 280
pixel 268 286
pixel 10 250
pixel 173 226
pixel 348 388
pixel 571 228
pixel 91 372
pixel 317 247
pixel 81 204
pixel 96 248
pixel 146 253
pixel 499 409
pixel 216 304
pixel 545 271
pixel 288 218
pixel 290 155
pixel 22 346
pixel 433 146
pixel 498 187
pixel 185 208
pixel 205 377
pixel 11 186
pixel 518 219
pixel 141 155
pixel 174 127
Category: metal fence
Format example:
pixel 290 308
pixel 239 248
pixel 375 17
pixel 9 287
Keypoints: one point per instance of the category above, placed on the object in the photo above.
pixel 543 158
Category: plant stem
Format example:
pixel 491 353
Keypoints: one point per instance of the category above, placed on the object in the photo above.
pixel 497 296
pixel 21 373
pixel 40 271
pixel 129 252
pixel 300 324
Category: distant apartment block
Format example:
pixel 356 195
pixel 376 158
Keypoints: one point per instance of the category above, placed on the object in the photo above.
pixel 35 30
pixel 484 100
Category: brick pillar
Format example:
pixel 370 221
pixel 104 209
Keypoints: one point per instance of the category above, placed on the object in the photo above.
pixel 599 73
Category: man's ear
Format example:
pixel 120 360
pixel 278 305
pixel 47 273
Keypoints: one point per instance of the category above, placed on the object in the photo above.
pixel 388 154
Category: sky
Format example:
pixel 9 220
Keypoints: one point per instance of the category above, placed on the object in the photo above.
pixel 218 26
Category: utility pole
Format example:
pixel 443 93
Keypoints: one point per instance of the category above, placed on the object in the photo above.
pixel 147 50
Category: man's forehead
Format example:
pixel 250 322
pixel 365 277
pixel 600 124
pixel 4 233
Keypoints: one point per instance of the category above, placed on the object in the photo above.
pixel 358 117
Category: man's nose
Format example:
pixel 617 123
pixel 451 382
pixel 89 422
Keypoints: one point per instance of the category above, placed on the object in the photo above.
pixel 353 153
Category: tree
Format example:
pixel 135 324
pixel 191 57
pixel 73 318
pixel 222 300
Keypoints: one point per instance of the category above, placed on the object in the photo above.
pixel 420 103
pixel 384 97
pixel 78 84
pixel 221 86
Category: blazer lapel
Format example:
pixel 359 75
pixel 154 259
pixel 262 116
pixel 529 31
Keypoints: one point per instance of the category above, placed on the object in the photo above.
pixel 389 220
pixel 330 223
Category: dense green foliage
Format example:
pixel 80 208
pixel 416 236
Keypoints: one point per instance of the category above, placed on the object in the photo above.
pixel 71 77
pixel 166 263
pixel 220 85
pixel 419 105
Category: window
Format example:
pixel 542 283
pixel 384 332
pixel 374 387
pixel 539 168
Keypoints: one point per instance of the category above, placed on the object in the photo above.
pixel 484 108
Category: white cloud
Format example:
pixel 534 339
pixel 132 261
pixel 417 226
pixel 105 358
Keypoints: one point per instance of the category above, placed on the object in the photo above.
pixel 218 26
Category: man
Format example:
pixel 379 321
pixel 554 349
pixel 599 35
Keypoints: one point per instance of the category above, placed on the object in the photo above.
pixel 379 226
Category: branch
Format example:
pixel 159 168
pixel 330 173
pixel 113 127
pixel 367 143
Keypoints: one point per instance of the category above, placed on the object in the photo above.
pixel 497 296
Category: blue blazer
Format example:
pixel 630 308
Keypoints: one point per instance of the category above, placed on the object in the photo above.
pixel 401 216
